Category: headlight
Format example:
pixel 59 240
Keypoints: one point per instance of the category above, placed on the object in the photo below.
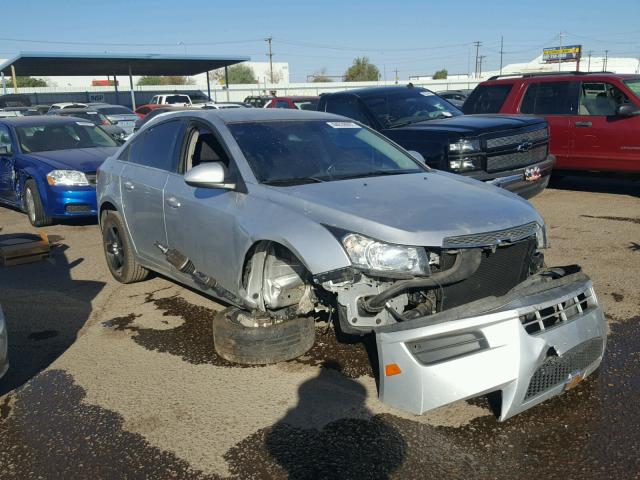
pixel 465 146
pixel 465 164
pixel 541 237
pixel 369 254
pixel 67 178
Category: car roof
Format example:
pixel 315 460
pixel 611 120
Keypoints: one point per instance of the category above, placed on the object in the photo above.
pixel 296 97
pixel 367 91
pixel 594 76
pixel 233 115
pixel 31 121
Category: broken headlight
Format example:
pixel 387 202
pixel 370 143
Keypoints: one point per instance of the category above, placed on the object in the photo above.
pixel 541 236
pixel 369 254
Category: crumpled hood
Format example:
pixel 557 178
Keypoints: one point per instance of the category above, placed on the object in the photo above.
pixel 81 159
pixel 413 209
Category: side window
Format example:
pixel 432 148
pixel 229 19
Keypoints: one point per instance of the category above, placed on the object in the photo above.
pixel 158 147
pixel 203 147
pixel 5 141
pixel 548 98
pixel 600 99
pixel 282 104
pixel 348 106
pixel 486 99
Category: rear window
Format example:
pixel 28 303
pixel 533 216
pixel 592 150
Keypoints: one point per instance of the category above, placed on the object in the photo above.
pixel 486 99
pixel 115 111
pixel 548 98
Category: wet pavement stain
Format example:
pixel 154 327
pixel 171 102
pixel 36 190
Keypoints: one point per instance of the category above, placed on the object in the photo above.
pixel 617 297
pixel 52 434
pixel 617 219
pixel 43 335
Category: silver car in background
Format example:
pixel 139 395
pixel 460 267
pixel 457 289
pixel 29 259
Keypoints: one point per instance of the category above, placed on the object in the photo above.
pixel 288 215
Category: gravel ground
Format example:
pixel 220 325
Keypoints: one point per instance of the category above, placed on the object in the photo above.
pixel 113 381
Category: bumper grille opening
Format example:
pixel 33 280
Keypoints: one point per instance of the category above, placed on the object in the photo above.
pixel 555 371
pixel 540 320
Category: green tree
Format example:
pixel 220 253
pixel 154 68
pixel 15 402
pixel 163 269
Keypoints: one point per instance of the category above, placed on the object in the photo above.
pixel 440 74
pixel 165 80
pixel 361 70
pixel 31 82
pixel 321 76
pixel 238 74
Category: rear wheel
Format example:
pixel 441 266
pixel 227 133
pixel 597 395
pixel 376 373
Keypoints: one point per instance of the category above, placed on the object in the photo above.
pixel 118 250
pixel 33 205
pixel 260 345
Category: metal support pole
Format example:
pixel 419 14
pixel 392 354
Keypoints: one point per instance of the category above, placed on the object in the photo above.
pixel 4 83
pixel 208 86
pixel 133 95
pixel 115 86
pixel 15 80
pixel 226 81
pixel 501 52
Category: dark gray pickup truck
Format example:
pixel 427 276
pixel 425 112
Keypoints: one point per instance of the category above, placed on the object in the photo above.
pixel 508 151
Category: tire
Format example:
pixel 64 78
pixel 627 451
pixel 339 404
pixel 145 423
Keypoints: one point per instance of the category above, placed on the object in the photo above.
pixel 33 205
pixel 261 345
pixel 118 250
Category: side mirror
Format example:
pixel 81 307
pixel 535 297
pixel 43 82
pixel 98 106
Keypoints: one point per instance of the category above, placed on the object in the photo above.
pixel 208 175
pixel 4 151
pixel 627 111
pixel 418 156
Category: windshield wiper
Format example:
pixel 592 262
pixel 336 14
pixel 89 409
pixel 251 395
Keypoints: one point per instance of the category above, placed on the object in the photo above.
pixel 284 182
pixel 375 173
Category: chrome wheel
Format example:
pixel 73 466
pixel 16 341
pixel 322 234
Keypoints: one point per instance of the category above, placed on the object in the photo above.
pixel 30 205
pixel 113 248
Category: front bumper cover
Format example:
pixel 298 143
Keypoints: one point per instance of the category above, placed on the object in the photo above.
pixel 493 351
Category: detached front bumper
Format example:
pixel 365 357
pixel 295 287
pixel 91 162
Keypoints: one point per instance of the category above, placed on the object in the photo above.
pixel 530 345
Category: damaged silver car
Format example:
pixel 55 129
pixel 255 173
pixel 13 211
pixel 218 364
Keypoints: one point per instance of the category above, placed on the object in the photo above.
pixel 283 215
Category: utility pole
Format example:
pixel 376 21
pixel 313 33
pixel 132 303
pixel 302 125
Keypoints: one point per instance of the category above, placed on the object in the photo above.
pixel 560 54
pixel 396 77
pixel 589 60
pixel 501 52
pixel 270 55
pixel 480 58
pixel 477 44
pixel 606 58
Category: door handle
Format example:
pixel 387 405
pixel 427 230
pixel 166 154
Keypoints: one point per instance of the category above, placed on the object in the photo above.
pixel 128 186
pixel 583 124
pixel 173 202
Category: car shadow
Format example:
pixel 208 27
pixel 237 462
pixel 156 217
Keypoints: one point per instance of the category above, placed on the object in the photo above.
pixel 44 309
pixel 598 184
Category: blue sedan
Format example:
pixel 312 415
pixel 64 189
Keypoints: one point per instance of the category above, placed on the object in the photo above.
pixel 48 166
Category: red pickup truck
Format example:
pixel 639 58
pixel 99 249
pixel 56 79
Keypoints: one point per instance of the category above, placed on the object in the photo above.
pixel 594 118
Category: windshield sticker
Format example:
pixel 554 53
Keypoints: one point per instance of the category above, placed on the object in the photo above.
pixel 85 124
pixel 427 94
pixel 444 113
pixel 343 125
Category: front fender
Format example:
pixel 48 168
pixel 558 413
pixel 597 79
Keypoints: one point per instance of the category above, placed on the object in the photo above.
pixel 30 172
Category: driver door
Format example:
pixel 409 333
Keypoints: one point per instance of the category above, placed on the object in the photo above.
pixel 7 164
pixel 200 222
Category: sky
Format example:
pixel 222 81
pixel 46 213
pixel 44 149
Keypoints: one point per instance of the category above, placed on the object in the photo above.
pixel 414 37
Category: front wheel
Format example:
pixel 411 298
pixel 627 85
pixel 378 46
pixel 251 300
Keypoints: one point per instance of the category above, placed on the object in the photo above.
pixel 33 205
pixel 118 250
pixel 260 345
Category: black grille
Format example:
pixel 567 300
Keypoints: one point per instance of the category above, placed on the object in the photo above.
pixel 513 160
pixel 498 273
pixel 77 208
pixel 546 318
pixel 555 371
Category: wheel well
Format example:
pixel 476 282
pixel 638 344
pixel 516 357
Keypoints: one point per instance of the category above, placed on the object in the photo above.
pixel 105 207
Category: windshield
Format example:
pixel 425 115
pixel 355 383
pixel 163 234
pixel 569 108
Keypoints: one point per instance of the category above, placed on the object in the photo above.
pixel 634 86
pixel 171 99
pixel 43 138
pixel 294 152
pixel 412 105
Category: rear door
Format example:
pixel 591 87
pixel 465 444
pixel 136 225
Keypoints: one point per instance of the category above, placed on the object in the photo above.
pixel 150 159
pixel 601 140
pixel 7 171
pixel 557 102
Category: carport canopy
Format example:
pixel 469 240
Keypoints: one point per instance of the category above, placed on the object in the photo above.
pixel 51 64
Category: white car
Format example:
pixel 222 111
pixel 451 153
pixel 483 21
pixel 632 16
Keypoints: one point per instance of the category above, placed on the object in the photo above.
pixel 60 106
pixel 218 106
pixel 171 99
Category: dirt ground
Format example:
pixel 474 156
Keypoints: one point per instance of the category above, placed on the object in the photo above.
pixel 114 381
